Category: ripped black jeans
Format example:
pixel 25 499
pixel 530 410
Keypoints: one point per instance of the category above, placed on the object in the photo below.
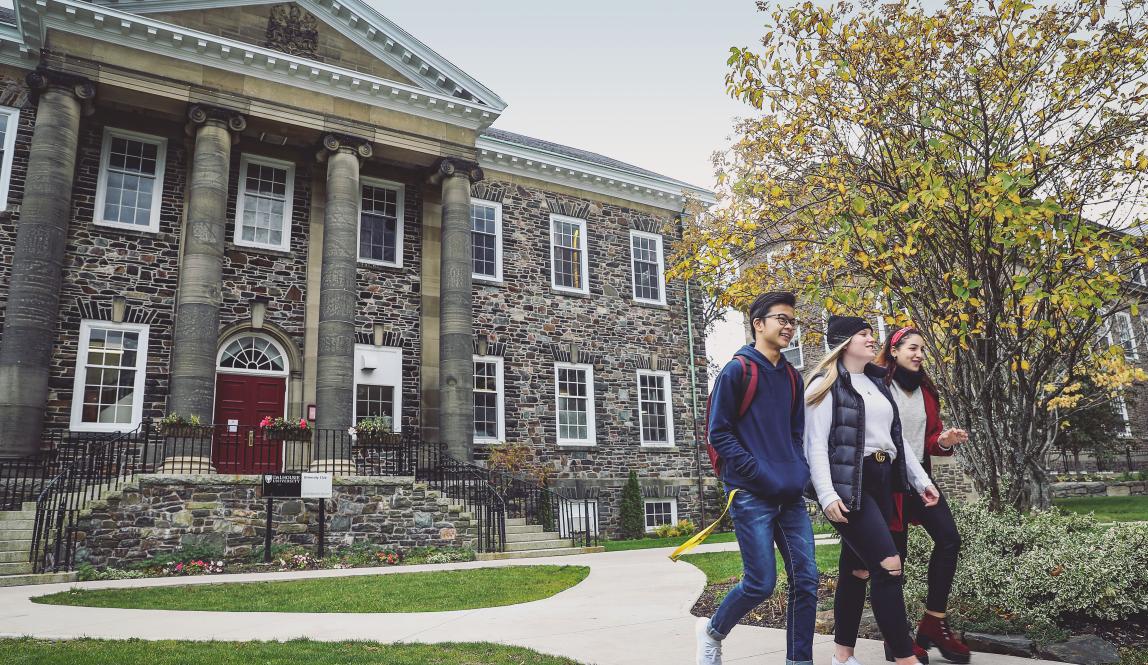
pixel 865 543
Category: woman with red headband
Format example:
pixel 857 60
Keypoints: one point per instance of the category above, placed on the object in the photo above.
pixel 903 357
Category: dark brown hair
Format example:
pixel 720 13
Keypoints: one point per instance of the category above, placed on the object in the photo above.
pixel 886 360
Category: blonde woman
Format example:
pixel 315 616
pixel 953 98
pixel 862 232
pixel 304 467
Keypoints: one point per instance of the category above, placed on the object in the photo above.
pixel 857 460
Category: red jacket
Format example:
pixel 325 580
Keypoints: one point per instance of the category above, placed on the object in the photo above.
pixel 933 429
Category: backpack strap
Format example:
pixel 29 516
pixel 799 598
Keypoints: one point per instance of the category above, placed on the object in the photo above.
pixel 749 383
pixel 792 389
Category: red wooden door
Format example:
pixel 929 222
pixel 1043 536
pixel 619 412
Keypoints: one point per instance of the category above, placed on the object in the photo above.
pixel 244 400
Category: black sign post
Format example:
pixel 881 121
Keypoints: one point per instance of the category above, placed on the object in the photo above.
pixel 295 486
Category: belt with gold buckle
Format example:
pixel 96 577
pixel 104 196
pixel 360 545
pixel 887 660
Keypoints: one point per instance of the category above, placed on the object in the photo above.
pixel 880 456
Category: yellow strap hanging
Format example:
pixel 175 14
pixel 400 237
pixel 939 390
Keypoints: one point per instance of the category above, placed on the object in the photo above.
pixel 699 537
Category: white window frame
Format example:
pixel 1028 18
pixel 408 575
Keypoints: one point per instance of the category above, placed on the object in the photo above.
pixel 497 277
pixel 79 381
pixel 501 388
pixel 578 515
pixel 796 344
pixel 591 430
pixel 261 372
pixel 111 133
pixel 661 300
pixel 1115 336
pixel 400 220
pixel 673 501
pixel 585 263
pixel 240 199
pixel 1140 275
pixel 388 371
pixel 1122 409
pixel 11 119
pixel 665 376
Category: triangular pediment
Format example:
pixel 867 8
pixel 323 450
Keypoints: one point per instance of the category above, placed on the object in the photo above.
pixel 348 34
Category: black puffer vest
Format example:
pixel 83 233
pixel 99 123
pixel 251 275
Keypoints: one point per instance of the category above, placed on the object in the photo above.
pixel 847 437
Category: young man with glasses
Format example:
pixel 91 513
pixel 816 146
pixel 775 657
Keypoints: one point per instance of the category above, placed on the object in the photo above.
pixel 761 447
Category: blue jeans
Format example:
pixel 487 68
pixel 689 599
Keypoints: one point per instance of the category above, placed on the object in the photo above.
pixel 759 524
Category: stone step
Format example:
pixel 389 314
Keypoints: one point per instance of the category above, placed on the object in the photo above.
pixel 28 507
pixel 40 578
pixel 17 515
pixel 22 568
pixel 15 556
pixel 557 543
pixel 523 528
pixel 9 525
pixel 515 521
pixel 15 534
pixel 532 536
pixel 16 545
pixel 566 551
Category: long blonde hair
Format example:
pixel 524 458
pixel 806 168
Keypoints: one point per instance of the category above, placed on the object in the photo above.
pixel 827 370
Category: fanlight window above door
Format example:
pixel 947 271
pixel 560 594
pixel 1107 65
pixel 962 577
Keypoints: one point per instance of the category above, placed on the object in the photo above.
pixel 252 354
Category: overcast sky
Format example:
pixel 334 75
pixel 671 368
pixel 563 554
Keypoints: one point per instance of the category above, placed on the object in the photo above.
pixel 642 81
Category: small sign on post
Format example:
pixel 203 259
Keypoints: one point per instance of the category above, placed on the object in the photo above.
pixel 282 485
pixel 296 486
pixel 316 486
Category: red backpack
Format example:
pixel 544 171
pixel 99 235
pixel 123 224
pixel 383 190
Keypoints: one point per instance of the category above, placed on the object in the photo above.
pixel 749 373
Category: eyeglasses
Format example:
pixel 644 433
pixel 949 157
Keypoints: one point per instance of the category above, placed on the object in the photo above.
pixel 783 320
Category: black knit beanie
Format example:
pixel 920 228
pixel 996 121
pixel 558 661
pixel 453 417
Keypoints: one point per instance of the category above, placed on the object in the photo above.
pixel 841 328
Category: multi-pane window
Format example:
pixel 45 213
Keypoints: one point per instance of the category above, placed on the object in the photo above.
pixel 1122 409
pixel 486 239
pixel 568 254
pixel 661 512
pixel 574 388
pixel 109 381
pixel 1140 275
pixel 794 353
pixel 131 180
pixel 263 208
pixel 488 424
pixel 381 223
pixel 378 381
pixel 372 401
pixel 648 264
pixel 252 354
pixel 654 408
pixel 9 119
pixel 1125 336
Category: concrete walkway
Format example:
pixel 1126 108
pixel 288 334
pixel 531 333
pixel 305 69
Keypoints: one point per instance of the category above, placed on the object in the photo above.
pixel 634 607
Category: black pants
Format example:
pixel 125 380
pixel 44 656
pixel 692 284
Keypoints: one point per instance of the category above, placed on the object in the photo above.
pixel 865 542
pixel 939 524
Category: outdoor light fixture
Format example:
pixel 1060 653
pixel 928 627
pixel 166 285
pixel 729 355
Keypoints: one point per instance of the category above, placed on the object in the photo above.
pixel 258 312
pixel 483 346
pixel 378 334
pixel 119 309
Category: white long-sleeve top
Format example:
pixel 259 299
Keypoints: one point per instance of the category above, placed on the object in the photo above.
pixel 878 436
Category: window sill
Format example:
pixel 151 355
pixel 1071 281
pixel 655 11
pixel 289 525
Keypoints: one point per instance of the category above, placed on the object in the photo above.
pixel 651 305
pixel 372 265
pixel 578 447
pixel 648 448
pixel 569 294
pixel 126 228
pixel 487 281
pixel 272 251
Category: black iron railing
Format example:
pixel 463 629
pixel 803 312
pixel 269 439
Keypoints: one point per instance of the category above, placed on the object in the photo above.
pixel 22 479
pixel 470 486
pixel 526 498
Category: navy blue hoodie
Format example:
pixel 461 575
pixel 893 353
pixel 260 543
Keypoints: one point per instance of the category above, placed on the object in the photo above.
pixel 763 452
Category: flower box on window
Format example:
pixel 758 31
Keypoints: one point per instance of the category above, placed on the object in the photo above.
pixel 281 429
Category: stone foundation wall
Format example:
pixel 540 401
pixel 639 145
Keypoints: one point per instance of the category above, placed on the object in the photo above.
pixel 952 479
pixel 1100 488
pixel 156 515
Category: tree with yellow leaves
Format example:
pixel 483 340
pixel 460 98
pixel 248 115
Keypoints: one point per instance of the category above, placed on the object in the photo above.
pixel 976 170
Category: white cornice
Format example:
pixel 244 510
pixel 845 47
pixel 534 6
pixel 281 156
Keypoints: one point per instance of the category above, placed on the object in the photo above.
pixel 363 25
pixel 133 31
pixel 498 155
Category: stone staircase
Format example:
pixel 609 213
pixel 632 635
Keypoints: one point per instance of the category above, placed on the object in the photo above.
pixel 526 541
pixel 15 546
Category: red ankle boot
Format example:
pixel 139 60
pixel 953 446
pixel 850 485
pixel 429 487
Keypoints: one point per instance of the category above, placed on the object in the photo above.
pixel 921 654
pixel 935 631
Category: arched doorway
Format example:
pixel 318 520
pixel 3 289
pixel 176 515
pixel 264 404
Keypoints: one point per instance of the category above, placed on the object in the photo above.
pixel 250 383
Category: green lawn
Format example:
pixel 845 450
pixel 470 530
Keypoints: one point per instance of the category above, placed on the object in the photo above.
pixel 819 528
pixel 140 652
pixel 1108 508
pixel 400 592
pixel 722 566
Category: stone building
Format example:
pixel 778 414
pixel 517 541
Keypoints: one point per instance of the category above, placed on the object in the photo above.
pixel 234 210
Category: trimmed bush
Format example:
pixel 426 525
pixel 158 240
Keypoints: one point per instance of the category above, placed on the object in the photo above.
pixel 1029 572
pixel 633 512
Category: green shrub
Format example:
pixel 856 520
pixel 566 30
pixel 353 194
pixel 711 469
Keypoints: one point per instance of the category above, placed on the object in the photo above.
pixel 633 513
pixel 89 573
pixel 682 528
pixel 1029 572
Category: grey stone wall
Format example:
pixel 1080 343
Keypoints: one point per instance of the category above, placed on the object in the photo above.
pixel 1099 488
pixel 156 515
pixel 525 316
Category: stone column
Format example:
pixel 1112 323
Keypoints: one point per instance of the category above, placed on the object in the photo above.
pixel 196 335
pixel 456 319
pixel 338 296
pixel 31 319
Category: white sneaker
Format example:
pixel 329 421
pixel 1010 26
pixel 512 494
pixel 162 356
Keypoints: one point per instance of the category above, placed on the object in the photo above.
pixel 709 649
pixel 848 661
